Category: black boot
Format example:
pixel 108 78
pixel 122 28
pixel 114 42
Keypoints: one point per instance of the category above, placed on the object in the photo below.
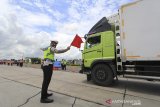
pixel 49 94
pixel 46 100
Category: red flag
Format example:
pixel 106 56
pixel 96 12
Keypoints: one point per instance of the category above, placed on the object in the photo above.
pixel 77 41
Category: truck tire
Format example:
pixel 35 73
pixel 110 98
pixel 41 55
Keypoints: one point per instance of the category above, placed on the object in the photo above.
pixel 102 75
pixel 88 77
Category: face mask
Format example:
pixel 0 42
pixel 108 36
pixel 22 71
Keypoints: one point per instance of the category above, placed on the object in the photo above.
pixel 53 44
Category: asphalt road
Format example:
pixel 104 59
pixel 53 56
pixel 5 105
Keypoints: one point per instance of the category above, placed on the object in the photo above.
pixel 20 87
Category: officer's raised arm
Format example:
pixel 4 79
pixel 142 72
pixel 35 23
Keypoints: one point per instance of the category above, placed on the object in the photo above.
pixel 43 49
pixel 53 49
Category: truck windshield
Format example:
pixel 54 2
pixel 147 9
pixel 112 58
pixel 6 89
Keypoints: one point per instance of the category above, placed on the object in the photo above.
pixel 92 41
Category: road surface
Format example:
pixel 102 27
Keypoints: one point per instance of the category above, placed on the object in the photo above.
pixel 20 87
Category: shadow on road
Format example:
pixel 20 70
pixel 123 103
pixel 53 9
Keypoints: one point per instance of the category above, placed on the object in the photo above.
pixel 140 86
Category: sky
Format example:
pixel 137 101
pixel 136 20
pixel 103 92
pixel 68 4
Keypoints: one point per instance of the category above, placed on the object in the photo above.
pixel 28 25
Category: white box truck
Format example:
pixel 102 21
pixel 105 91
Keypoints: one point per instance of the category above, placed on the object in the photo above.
pixel 126 43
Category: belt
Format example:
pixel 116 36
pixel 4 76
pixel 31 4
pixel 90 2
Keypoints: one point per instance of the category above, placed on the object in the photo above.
pixel 46 59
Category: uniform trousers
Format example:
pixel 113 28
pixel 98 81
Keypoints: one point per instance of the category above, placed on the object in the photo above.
pixel 47 74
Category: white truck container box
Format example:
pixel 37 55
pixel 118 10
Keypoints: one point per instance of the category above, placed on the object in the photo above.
pixel 140 30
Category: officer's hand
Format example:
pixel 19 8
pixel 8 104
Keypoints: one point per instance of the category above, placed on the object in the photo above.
pixel 68 48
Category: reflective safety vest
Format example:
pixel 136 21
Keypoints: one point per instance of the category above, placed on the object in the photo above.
pixel 48 54
pixel 64 62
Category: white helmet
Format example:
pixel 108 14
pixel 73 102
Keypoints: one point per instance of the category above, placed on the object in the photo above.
pixel 55 41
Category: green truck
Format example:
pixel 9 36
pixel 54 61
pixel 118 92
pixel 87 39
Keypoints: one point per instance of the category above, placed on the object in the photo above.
pixel 124 44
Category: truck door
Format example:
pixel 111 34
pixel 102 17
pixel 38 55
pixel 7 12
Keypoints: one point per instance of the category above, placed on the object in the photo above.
pixel 92 49
pixel 108 45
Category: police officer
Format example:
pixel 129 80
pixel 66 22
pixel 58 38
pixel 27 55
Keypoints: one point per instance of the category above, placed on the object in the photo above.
pixel 47 69
pixel 64 64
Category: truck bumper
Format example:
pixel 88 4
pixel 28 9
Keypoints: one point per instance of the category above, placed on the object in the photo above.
pixel 85 70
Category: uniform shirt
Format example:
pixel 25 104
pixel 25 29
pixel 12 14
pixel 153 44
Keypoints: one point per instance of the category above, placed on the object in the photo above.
pixel 53 50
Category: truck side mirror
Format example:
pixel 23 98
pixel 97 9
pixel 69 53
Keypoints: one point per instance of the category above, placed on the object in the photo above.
pixel 85 36
pixel 82 47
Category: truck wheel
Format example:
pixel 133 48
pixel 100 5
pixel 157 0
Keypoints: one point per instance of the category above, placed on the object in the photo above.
pixel 88 77
pixel 102 75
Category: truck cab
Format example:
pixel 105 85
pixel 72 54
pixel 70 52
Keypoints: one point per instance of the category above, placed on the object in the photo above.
pixel 99 53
